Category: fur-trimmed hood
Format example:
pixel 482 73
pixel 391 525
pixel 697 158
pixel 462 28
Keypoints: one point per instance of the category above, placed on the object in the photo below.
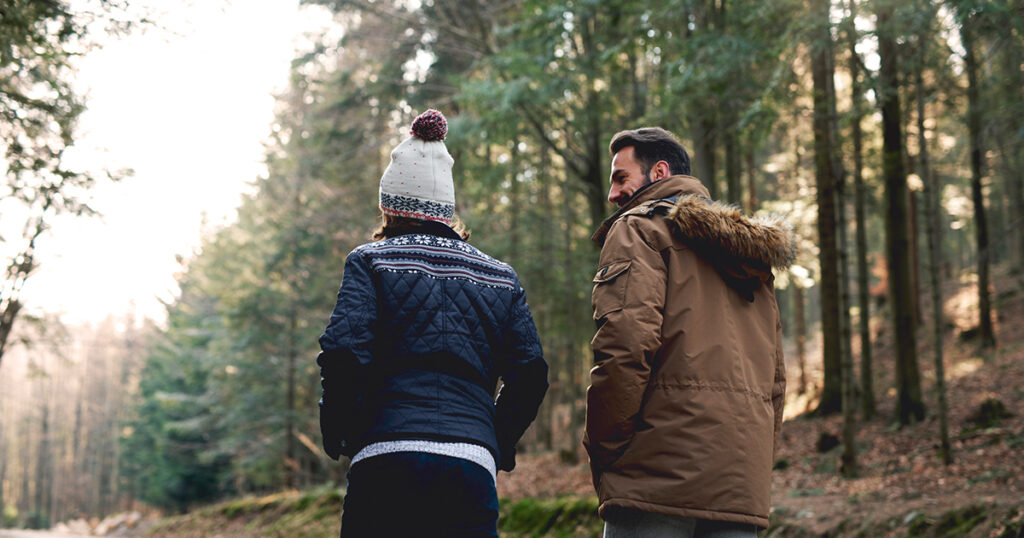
pixel 721 230
pixel 743 250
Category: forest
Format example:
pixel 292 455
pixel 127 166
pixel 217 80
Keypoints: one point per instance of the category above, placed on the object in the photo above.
pixel 889 133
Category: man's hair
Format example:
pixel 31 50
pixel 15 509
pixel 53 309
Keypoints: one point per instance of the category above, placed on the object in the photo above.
pixel 653 144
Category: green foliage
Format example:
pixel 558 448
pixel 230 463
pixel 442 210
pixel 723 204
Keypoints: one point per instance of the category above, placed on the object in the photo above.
pixel 960 522
pixel 37 520
pixel 39 112
pixel 8 516
pixel 563 516
pixel 167 445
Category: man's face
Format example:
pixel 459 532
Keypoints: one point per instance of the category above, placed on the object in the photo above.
pixel 627 176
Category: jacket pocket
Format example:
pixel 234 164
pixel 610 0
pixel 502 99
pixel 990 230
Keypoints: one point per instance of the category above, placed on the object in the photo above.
pixel 610 288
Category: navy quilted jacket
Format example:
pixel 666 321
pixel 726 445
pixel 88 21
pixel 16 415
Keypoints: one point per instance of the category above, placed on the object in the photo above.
pixel 424 326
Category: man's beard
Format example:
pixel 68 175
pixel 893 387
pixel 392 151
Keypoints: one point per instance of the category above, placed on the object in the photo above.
pixel 647 181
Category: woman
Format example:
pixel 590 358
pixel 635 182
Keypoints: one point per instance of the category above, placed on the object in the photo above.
pixel 424 326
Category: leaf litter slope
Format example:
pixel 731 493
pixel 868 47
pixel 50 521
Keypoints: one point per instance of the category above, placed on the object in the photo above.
pixel 902 477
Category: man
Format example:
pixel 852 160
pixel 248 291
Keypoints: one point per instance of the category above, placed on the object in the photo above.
pixel 687 389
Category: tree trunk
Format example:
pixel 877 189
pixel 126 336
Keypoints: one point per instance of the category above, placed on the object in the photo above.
pixel 828 254
pixel 915 259
pixel 704 152
pixel 752 202
pixel 849 397
pixel 290 462
pixel 573 384
pixel 1013 155
pixel 733 172
pixel 545 424
pixel 596 176
pixel 43 493
pixel 909 405
pixel 988 338
pixel 702 123
pixel 801 335
pixel 25 498
pixel 514 205
pixel 931 204
pixel 9 309
pixel 860 196
pixel 849 466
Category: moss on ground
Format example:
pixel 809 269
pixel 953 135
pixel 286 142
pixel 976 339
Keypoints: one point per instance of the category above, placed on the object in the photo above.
pixel 313 513
pixel 560 517
pixel 317 512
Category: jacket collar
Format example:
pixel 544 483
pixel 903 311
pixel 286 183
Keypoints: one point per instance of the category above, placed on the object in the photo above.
pixel 678 185
pixel 430 227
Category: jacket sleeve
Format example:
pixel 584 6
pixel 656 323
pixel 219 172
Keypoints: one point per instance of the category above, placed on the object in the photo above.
pixel 346 352
pixel 524 381
pixel 779 386
pixel 628 300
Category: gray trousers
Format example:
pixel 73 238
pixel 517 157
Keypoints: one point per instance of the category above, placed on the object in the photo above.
pixel 628 523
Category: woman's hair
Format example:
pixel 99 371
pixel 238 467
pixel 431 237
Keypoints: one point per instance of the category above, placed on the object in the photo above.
pixel 391 226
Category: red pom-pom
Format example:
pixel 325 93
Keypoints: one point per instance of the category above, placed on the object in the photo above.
pixel 429 126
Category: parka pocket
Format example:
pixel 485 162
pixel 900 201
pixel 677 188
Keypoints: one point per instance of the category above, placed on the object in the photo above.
pixel 610 288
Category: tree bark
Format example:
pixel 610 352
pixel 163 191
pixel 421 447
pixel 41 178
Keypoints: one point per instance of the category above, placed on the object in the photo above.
pixel 290 463
pixel 909 404
pixel 801 335
pixel 987 333
pixel 860 201
pixel 849 466
pixel 1013 155
pixel 42 491
pixel 514 205
pixel 931 204
pixel 704 152
pixel 915 258
pixel 828 253
pixel 573 383
pixel 733 171
pixel 752 202
pixel 545 424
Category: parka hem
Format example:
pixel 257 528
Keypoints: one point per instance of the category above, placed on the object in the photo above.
pixel 696 513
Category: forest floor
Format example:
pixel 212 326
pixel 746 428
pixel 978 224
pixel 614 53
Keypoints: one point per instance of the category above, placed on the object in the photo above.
pixel 903 488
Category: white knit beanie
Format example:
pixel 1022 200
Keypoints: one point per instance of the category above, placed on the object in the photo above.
pixel 418 182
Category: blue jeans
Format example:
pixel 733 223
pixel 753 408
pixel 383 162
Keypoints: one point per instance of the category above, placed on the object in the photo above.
pixel 417 494
pixel 628 523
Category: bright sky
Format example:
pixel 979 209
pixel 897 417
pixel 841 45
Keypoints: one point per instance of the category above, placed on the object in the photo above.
pixel 188 109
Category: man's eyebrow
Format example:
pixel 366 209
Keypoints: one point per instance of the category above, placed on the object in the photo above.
pixel 618 172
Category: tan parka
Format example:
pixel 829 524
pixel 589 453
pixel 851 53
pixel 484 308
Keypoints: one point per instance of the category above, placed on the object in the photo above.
pixel 686 394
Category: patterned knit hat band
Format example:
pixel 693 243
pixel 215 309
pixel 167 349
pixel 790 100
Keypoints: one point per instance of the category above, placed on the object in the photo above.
pixel 418 181
pixel 407 206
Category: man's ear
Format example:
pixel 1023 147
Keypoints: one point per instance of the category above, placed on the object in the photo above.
pixel 661 170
